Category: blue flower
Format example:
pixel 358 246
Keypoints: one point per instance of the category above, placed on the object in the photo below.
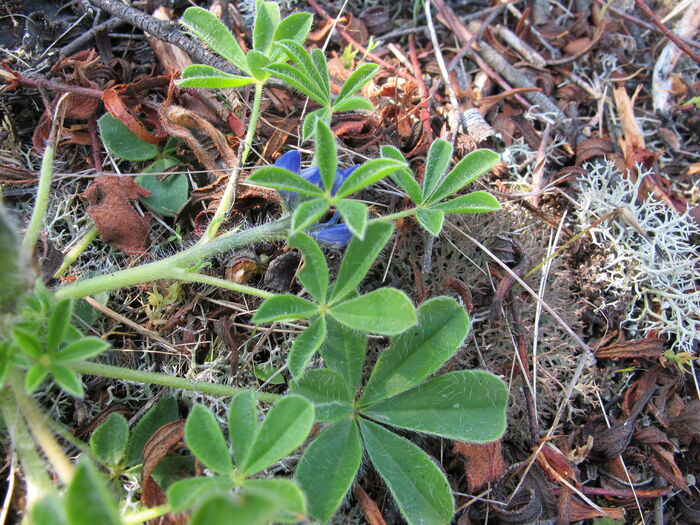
pixel 330 232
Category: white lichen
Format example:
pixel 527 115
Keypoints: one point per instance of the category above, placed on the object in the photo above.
pixel 652 257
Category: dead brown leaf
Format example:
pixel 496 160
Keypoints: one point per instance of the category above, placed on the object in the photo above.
pixel 117 222
pixel 484 462
pixel 370 509
pixel 165 440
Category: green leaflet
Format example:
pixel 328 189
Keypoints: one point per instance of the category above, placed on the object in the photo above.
pixel 358 259
pixel 285 427
pixel 314 273
pixel 284 307
pixel 164 411
pixel 108 441
pixel 439 157
pixel 431 220
pixel 475 202
pixel 305 346
pixel 329 466
pixel 464 405
pixel 242 425
pixel 88 500
pixel 122 142
pixel 210 30
pixel 467 170
pixel 206 441
pixel 188 493
pixel 326 154
pixel 385 311
pixel 344 351
pixel 328 391
pixel 355 215
pixel 414 480
pixel 419 352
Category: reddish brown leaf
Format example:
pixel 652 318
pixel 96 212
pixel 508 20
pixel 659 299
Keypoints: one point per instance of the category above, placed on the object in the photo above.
pixel 647 347
pixel 556 465
pixel 116 107
pixel 166 439
pixel 484 462
pixel 117 222
pixel 370 509
pixel 687 425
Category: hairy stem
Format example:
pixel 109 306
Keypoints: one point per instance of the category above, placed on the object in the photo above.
pixel 37 424
pixel 38 482
pixel 147 514
pixel 138 376
pixel 174 266
pixel 42 195
pixel 395 216
pixel 230 191
pixel 72 255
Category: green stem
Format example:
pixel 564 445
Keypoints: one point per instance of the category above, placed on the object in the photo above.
pixel 22 442
pixel 42 195
pixel 138 376
pixel 173 267
pixel 229 192
pixel 76 250
pixel 37 424
pixel 190 277
pixel 395 216
pixel 146 514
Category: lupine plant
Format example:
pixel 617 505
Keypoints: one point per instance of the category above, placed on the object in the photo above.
pixel 404 391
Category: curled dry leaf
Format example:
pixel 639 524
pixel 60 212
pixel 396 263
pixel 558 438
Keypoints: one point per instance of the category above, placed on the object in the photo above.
pixel 661 457
pixel 117 222
pixel 686 427
pixel 281 271
pixel 370 509
pixel 166 439
pixel 484 463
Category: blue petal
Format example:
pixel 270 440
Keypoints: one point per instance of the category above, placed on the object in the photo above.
pixel 338 235
pixel 290 161
pixel 312 174
pixel 341 176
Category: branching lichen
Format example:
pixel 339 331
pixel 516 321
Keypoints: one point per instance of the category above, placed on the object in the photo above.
pixel 659 270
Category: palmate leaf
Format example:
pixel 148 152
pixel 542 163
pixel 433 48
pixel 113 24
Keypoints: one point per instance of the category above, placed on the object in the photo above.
pixel 417 484
pixel 386 311
pixel 464 405
pixel 257 62
pixel 475 202
pixel 467 170
pixel 284 429
pixel 298 80
pixel 305 346
pixel 329 466
pixel 303 62
pixel 419 352
pixel 210 30
pixel 206 441
pixel 359 257
pixel 203 76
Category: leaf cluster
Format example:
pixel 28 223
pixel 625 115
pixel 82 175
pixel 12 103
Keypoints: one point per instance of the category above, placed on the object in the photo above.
pixel 430 196
pixel 44 342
